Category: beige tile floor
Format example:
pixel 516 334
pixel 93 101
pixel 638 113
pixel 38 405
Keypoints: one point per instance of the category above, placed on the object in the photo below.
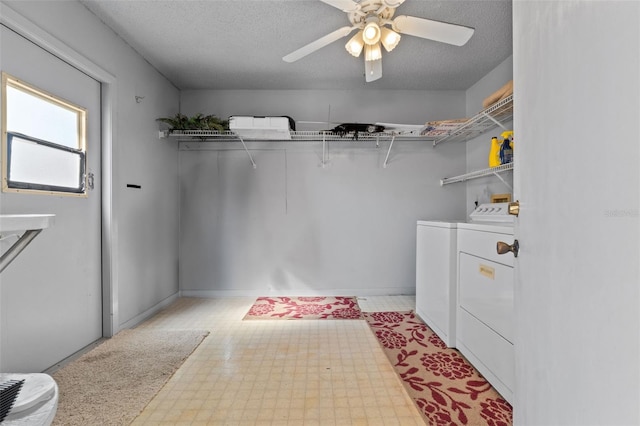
pixel 298 372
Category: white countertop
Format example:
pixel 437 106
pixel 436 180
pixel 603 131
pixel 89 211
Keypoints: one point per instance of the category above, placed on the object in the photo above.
pixel 23 222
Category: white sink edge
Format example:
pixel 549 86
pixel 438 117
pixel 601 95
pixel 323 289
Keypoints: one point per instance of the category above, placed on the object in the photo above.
pixel 23 222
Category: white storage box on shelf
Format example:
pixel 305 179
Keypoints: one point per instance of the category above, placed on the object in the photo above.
pixel 263 128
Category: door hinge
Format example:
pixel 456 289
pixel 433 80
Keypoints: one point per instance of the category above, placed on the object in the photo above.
pixel 90 181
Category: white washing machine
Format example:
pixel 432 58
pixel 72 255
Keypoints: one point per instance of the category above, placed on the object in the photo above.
pixel 436 290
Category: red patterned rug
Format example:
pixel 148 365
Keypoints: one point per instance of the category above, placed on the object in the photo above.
pixel 321 307
pixel 446 389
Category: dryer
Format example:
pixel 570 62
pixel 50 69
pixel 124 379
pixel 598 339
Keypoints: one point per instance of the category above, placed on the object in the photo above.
pixel 484 313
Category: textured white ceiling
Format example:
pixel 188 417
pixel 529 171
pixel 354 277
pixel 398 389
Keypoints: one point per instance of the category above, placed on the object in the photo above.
pixel 239 44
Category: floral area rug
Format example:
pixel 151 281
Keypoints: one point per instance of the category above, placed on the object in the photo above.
pixel 446 389
pixel 320 307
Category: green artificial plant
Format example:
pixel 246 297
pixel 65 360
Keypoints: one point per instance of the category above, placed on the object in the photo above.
pixel 196 122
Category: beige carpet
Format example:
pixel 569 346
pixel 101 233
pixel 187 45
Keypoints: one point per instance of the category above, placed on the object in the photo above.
pixel 112 383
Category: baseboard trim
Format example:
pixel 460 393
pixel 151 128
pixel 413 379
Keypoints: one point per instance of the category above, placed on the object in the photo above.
pixel 391 291
pixel 149 312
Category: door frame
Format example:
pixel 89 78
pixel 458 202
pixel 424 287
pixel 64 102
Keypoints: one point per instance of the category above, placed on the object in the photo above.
pixel 108 91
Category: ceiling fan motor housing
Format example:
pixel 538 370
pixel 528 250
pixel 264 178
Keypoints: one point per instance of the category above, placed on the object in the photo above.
pixel 370 10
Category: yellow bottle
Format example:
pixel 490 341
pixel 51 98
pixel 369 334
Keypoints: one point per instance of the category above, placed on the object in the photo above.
pixel 494 152
pixel 507 134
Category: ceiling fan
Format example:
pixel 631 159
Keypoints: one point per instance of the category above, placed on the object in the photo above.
pixel 372 19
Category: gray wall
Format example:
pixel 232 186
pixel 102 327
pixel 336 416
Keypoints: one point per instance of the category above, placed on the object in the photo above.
pixel 335 106
pixel 293 227
pixel 477 148
pixel 146 220
pixel 577 292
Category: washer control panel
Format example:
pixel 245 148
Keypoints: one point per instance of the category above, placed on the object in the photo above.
pixel 492 212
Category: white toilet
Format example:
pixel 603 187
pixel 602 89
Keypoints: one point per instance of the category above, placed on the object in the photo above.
pixel 36 402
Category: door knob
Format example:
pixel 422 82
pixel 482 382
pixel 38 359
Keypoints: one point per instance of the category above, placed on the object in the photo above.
pixel 514 208
pixel 502 248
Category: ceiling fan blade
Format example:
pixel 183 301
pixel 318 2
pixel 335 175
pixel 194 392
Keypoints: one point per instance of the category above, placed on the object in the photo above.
pixel 318 44
pixel 372 70
pixel 343 5
pixel 443 32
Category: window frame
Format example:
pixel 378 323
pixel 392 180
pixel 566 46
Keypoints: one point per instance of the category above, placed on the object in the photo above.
pixel 17 185
pixel 81 113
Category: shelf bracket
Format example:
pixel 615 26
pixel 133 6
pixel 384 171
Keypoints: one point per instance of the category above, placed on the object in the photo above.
pixel 494 120
pixel 386 160
pixel 253 163
pixel 17 247
pixel 324 149
pixel 503 181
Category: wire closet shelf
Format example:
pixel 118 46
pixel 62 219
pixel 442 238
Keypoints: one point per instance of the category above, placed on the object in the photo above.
pixel 293 135
pixel 495 115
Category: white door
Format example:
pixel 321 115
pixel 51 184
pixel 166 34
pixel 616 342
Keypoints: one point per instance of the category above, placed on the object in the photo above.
pixel 51 294
pixel 577 294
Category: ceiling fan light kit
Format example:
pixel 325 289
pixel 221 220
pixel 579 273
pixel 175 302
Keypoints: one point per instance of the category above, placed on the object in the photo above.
pixel 389 39
pixel 372 52
pixel 371 31
pixel 370 18
pixel 355 45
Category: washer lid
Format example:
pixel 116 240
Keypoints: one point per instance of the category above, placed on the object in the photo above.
pixel 438 224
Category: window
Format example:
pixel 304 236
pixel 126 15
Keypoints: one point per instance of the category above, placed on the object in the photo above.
pixel 43 141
